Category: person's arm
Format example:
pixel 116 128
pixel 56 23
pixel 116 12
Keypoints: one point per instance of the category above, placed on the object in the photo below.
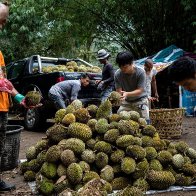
pixel 111 72
pixel 154 86
pixel 74 92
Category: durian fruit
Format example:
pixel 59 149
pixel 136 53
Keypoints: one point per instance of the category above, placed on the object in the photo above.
pixel 160 179
pixel 68 157
pixel 41 145
pixel 125 141
pixel 82 115
pixel 69 119
pixel 59 115
pixel 91 143
pixel 147 141
pixel 181 147
pixel 111 135
pixel 41 157
pixel 61 184
pixel 88 156
pixel 142 122
pixel 101 160
pixel 74 173
pixel 149 130
pixel 117 156
pixel 56 133
pixel 80 130
pixel 104 110
pixel 74 144
pixel 173 151
pixel 134 115
pixel 128 165
pixel 136 152
pixel 32 98
pixel 33 165
pixel 138 141
pixel 29 176
pixel 191 153
pixel 159 145
pixel 107 173
pixel 85 166
pixel 113 125
pixel 114 118
pixel 120 183
pixel 77 104
pixel 102 146
pixel 124 115
pixel 131 191
pixel 114 98
pixel 151 153
pixel 141 184
pixel 70 109
pixel 164 157
pixel 61 170
pixel 189 169
pixel 53 154
pixel 187 160
pixel 141 169
pixel 116 169
pixel 31 153
pixel 182 180
pixel 24 166
pixel 46 187
pixel 178 161
pixel 155 165
pixel 92 109
pixel 49 170
pixel 101 126
pixel 88 176
pixel 128 127
pixel 91 123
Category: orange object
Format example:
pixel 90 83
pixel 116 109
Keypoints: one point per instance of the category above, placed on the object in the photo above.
pixel 4 97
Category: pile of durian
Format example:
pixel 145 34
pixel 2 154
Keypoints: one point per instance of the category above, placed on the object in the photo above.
pixel 71 66
pixel 90 151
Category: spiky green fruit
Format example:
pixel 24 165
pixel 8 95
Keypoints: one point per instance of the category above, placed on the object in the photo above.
pixel 181 147
pixel 70 109
pixel 88 156
pixel 113 125
pixel 159 144
pixel 102 146
pixel 69 119
pixel 91 143
pixel 41 157
pixel 104 109
pixel 142 122
pixel 91 123
pixel 178 161
pixel 34 165
pixel 142 184
pixel 85 166
pixel 128 165
pixel 125 141
pixel 114 118
pixel 120 183
pixel 136 152
pixel 68 157
pixel 189 169
pixel 111 135
pixel 151 153
pixel 137 141
pixel 80 131
pixel 59 115
pixel 147 141
pixel 164 157
pixel 56 133
pixel 101 159
pixel 74 144
pixel 82 115
pixel 88 176
pixel 128 127
pixel 61 170
pixel 107 173
pixel 53 154
pixel 92 109
pixel 141 169
pixel 131 191
pixel 74 173
pixel 191 153
pixel 160 179
pixel 24 166
pixel 134 115
pixel 124 115
pixel 77 104
pixel 101 126
pixel 31 153
pixel 32 98
pixel 182 180
pixel 114 98
pixel 155 165
pixel 117 156
pixel 49 170
pixel 29 176
pixel 149 130
pixel 61 184
pixel 41 145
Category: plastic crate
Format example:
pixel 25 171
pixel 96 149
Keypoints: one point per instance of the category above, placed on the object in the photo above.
pixel 12 147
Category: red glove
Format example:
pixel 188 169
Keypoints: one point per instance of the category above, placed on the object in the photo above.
pixel 6 85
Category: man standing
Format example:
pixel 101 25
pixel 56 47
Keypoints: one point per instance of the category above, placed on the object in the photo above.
pixel 151 81
pixel 106 84
pixel 130 83
pixel 68 89
pixel 183 72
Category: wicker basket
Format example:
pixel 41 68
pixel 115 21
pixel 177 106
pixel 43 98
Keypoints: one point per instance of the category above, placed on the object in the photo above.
pixel 12 148
pixel 168 122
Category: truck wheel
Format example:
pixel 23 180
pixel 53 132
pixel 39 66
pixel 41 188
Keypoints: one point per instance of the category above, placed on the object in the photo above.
pixel 32 119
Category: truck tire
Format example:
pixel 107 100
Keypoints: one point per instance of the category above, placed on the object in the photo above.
pixel 32 119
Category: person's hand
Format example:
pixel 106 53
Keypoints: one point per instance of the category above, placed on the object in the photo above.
pixel 124 95
pixel 97 81
pixel 156 96
pixel 6 85
pixel 152 99
pixel 29 107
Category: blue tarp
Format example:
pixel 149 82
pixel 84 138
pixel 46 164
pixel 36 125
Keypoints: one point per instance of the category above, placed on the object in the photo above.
pixel 166 55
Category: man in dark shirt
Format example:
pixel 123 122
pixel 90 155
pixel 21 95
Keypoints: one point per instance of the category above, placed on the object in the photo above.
pixel 106 84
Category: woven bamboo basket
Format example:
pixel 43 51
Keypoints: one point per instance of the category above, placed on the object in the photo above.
pixel 168 122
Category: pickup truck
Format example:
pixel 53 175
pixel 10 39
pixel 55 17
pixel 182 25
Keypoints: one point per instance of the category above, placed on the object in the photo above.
pixel 40 73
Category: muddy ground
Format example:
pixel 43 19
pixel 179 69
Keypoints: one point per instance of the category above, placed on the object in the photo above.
pixel 29 138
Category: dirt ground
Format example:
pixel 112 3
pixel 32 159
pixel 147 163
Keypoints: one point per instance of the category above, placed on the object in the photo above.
pixel 29 138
